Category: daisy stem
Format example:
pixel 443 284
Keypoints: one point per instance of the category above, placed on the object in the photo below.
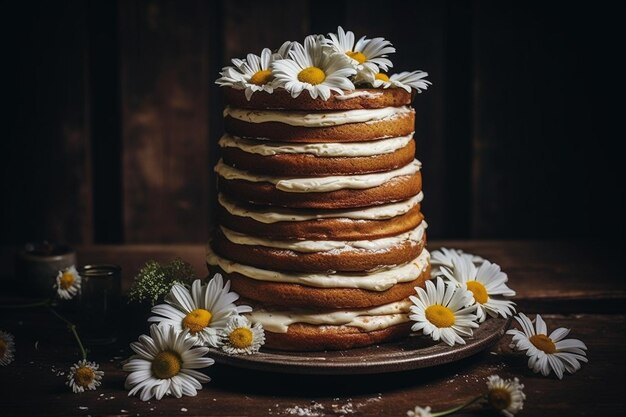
pixel 455 409
pixel 72 328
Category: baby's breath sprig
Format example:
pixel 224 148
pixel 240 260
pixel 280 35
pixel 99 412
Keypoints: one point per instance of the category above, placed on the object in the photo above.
pixel 154 280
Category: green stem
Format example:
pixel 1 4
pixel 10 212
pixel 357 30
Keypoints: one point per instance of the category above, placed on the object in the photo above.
pixel 72 328
pixel 455 409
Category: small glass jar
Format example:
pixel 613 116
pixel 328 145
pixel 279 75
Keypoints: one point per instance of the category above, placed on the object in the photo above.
pixel 99 303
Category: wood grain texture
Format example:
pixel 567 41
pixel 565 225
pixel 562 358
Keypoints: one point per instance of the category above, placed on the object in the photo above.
pixel 45 154
pixel 540 145
pixel 39 368
pixel 164 79
pixel 249 26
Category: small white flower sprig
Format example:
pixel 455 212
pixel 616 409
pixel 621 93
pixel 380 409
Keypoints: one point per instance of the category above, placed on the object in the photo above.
pixel 320 65
pixel 193 319
pixel 503 395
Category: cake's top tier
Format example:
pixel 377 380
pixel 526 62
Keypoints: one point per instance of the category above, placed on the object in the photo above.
pixel 361 98
pixel 336 72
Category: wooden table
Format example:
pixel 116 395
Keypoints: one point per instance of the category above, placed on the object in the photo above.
pixel 574 285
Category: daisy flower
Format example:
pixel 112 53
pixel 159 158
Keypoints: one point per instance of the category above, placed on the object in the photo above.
pixel 486 283
pixel 165 364
pixel 241 338
pixel 444 257
pixel 548 353
pixel 407 80
pixel 84 376
pixel 7 348
pixel 204 311
pixel 442 312
pixel 68 283
pixel 505 395
pixel 252 74
pixel 311 67
pixel 419 412
pixel 368 55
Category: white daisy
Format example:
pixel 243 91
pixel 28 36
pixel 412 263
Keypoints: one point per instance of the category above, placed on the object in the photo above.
pixel 442 312
pixel 252 74
pixel 419 412
pixel 368 55
pixel 545 352
pixel 165 364
pixel 204 311
pixel 84 376
pixel 241 338
pixel 444 256
pixel 7 348
pixel 487 285
pixel 407 80
pixel 68 283
pixel 505 395
pixel 315 68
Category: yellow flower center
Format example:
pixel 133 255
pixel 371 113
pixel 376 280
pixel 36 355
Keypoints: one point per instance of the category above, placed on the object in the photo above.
pixel 440 316
pixel 479 291
pixel 312 75
pixel 261 77
pixel 3 348
pixel 382 77
pixel 543 342
pixel 357 56
pixel 84 376
pixel 197 320
pixel 66 281
pixel 241 337
pixel 166 364
pixel 499 398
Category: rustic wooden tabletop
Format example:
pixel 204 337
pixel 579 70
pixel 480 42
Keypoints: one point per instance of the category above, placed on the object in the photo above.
pixel 574 285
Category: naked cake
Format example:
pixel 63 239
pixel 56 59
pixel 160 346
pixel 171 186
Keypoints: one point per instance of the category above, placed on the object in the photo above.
pixel 319 222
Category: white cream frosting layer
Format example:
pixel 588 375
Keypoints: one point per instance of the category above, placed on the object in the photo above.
pixel 319 184
pixel 375 318
pixel 308 246
pixel 378 280
pixel 352 149
pixel 356 94
pixel 317 119
pixel 386 211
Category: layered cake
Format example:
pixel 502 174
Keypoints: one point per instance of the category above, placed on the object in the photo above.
pixel 319 222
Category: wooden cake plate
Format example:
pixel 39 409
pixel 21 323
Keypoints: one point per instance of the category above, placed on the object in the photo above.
pixel 413 352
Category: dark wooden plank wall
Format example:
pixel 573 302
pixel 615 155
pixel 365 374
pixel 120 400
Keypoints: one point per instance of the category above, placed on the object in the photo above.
pixel 114 115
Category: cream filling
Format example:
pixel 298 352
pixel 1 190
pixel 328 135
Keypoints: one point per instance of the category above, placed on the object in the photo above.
pixel 364 94
pixel 370 319
pixel 414 236
pixel 319 184
pixel 386 211
pixel 317 119
pixel 378 147
pixel 378 280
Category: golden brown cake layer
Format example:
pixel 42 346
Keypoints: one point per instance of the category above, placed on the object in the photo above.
pixel 311 165
pixel 307 337
pixel 265 193
pixel 323 229
pixel 394 127
pixel 300 296
pixel 288 260
pixel 362 98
